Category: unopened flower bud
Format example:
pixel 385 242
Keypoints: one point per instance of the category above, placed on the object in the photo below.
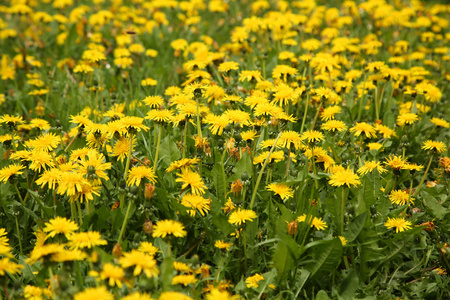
pixel 149 191
pixel 148 227
pixel 117 250
pixel 292 227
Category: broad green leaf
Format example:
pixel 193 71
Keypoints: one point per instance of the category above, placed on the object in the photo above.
pixel 268 279
pixel 168 151
pixel 322 295
pixel 353 230
pixel 301 280
pixel 284 256
pixel 333 206
pixel 349 285
pixel 219 181
pixel 326 257
pixel 433 206
pixel 244 165
pixel 166 273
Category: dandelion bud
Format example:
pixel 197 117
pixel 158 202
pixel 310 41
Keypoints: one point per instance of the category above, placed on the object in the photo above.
pixel 117 250
pixel 204 270
pixel 147 161
pixel 236 187
pixel 149 191
pixel 6 154
pixel 292 227
pixel 148 227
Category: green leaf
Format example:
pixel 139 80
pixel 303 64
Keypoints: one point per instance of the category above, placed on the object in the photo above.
pixel 333 206
pixel 284 256
pixel 355 227
pixel 49 211
pixel 349 285
pixel 433 206
pixel 322 295
pixel 268 279
pixel 219 181
pixel 168 151
pixel 301 280
pixel 326 257
pixel 244 165
pixel 166 273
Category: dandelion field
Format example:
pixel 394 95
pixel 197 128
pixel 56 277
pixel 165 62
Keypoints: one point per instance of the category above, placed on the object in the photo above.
pixel 213 149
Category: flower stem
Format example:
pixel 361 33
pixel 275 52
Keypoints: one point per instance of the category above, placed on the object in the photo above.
pixel 288 161
pixel 80 213
pixel 262 171
pixel 155 163
pixel 18 235
pixel 18 193
pixel 184 138
pixel 71 142
pixel 199 128
pixel 424 175
pixel 127 167
pixel 244 240
pixel 317 115
pixel 361 102
pixel 219 269
pixel 304 114
pixel 124 224
pixel 342 211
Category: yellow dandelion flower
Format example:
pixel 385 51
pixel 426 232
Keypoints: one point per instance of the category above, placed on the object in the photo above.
pixel 197 203
pixel 136 174
pixel 284 191
pixel 400 224
pixel 60 225
pixel 166 227
pixel 400 197
pixel 344 177
pixel 192 180
pixel 253 281
pixel 436 146
pixel 240 216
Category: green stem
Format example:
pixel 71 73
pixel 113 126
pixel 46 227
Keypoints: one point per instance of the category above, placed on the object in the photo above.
pixel 52 282
pixel 262 171
pixel 80 213
pixel 316 183
pixel 375 102
pixel 73 211
pixel 244 240
pixel 424 176
pixel 155 163
pixel 18 235
pixel 342 211
pixel 287 164
pixel 184 138
pixel 304 114
pixel 71 142
pixel 361 103
pixel 127 165
pixel 125 221
pixel 219 269
pixel 317 115
pixel 199 128
pixel 18 193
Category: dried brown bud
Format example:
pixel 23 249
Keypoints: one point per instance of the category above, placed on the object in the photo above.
pixel 236 187
pixel 148 227
pixel 149 191
pixel 292 227
pixel 117 250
